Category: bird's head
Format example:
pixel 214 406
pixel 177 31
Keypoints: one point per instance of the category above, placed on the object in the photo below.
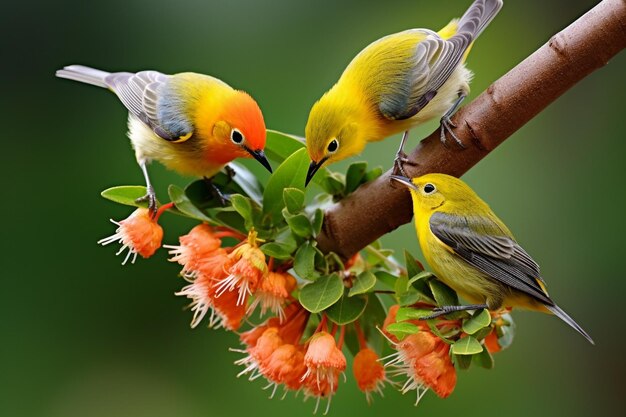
pixel 432 191
pixel 333 133
pixel 240 130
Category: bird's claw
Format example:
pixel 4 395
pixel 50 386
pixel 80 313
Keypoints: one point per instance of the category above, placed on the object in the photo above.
pixel 230 173
pixel 216 192
pixel 400 159
pixel 436 312
pixel 446 127
pixel 150 197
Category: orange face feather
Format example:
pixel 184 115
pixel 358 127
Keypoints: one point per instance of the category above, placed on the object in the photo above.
pixel 241 112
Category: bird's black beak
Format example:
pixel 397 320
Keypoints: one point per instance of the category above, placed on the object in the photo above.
pixel 404 181
pixel 260 156
pixel 313 168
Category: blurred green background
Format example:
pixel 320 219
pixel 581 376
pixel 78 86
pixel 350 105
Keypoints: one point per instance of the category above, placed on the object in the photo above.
pixel 84 336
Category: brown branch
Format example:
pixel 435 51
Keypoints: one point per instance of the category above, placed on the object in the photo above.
pixel 509 103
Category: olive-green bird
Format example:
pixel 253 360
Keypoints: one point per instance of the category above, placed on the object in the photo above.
pixel 473 252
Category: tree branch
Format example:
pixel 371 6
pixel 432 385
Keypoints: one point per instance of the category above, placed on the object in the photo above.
pixel 509 103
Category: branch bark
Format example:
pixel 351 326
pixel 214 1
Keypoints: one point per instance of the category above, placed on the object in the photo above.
pixel 509 103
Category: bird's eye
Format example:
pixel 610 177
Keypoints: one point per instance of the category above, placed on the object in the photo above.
pixel 333 146
pixel 429 188
pixel 236 136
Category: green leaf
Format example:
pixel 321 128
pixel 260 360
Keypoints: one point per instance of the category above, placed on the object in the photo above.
pixel 444 295
pixel 321 261
pixel 334 183
pixel 318 220
pixel 277 250
pixel 321 293
pixel 304 262
pixel 347 309
pixel 185 206
pixel 483 359
pixel 413 267
pixel 247 181
pixel 243 206
pixel 466 345
pixel 373 174
pixel 479 320
pixel 126 194
pixel 386 278
pixel 401 285
pixel 290 174
pixel 401 330
pixel 299 224
pixel 408 298
pixel 463 361
pixel 285 238
pixel 482 333
pixel 421 275
pixel 279 146
pixel 409 313
pixel 294 199
pixel 364 282
pixel 354 175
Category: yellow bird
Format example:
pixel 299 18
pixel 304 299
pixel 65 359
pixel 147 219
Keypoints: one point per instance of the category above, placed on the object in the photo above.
pixel 192 123
pixel 395 84
pixel 473 252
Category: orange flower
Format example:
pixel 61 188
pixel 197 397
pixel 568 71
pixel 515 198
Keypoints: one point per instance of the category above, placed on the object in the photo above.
pixel 491 342
pixel 139 233
pixel 313 387
pixel 247 270
pixel 436 371
pixel 271 295
pixel 229 310
pixel 194 247
pixel 369 373
pixel 285 366
pixel 324 360
pixel 425 360
pixel 201 291
pixel 258 353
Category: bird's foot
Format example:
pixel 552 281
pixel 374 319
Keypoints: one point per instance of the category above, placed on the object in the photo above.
pixel 230 173
pixel 216 192
pixel 398 164
pixel 443 310
pixel 447 126
pixel 150 197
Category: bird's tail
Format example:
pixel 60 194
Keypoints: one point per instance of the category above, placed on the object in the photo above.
pixel 478 16
pixel 84 75
pixel 567 319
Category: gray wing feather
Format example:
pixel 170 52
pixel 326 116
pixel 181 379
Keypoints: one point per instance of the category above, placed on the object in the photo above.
pixel 497 255
pixel 140 94
pixel 435 60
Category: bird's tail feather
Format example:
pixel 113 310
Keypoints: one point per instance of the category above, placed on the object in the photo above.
pixel 84 75
pixel 567 319
pixel 478 16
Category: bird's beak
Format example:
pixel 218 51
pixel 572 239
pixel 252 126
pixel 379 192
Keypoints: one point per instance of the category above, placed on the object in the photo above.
pixel 260 156
pixel 404 181
pixel 313 168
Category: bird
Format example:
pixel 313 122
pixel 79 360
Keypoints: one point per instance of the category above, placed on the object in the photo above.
pixel 473 252
pixel 394 84
pixel 192 123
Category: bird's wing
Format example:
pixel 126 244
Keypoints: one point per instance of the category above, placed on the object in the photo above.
pixel 140 93
pixel 482 243
pixel 433 62
pixel 431 65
